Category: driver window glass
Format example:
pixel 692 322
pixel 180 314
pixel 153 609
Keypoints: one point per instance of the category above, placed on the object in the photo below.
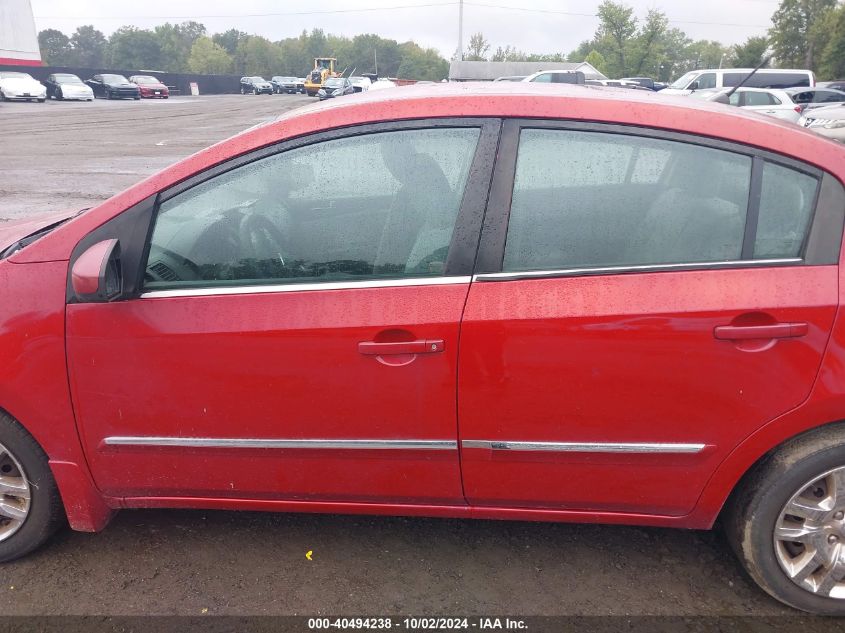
pixel 707 80
pixel 374 206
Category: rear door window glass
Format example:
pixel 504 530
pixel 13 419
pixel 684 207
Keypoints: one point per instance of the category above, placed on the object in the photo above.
pixel 592 199
pixel 786 202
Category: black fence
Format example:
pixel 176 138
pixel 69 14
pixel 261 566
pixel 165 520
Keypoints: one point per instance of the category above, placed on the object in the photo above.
pixel 208 84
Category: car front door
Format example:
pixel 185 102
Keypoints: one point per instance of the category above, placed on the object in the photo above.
pixel 295 336
pixel 96 85
pixel 634 316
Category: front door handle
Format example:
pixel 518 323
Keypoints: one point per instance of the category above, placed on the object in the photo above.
pixel 774 330
pixel 422 346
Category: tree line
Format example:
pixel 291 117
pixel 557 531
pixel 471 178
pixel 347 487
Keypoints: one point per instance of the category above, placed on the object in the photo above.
pixel 187 47
pixel 804 34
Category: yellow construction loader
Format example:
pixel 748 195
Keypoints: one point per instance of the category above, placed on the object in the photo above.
pixel 324 68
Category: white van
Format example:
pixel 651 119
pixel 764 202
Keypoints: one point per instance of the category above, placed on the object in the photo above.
pixel 729 77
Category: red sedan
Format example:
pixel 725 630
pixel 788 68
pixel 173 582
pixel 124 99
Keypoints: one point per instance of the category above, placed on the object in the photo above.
pixel 511 301
pixel 150 87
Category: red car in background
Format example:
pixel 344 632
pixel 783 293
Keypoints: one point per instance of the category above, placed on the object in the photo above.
pixel 151 88
pixel 515 301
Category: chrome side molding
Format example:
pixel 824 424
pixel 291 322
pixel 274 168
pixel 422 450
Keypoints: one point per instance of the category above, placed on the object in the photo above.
pixel 304 287
pixel 215 442
pixel 645 268
pixel 585 447
pixel 378 444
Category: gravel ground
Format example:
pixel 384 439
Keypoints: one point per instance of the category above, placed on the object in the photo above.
pixel 70 155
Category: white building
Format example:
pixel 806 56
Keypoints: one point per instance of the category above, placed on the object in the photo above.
pixel 488 71
pixel 18 36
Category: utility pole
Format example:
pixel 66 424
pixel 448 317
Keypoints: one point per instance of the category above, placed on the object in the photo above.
pixel 460 30
pixel 375 56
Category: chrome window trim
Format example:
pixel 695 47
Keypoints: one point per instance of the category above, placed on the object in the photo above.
pixel 305 287
pixel 585 447
pixel 610 270
pixel 223 442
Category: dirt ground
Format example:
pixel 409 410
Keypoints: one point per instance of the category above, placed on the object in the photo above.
pixel 71 155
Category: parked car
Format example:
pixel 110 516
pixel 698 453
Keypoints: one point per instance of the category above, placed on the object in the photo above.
pixel 838 84
pixel 150 87
pixel 335 87
pixel 811 98
pixel 557 77
pixel 15 86
pixel 774 103
pixel 666 361
pixel 616 83
pixel 300 84
pixel 360 84
pixel 113 87
pixel 646 82
pixel 705 79
pixel 64 86
pixel 284 84
pixel 381 83
pixel 256 86
pixel 829 121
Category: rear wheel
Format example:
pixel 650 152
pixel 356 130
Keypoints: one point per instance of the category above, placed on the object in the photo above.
pixel 30 506
pixel 787 522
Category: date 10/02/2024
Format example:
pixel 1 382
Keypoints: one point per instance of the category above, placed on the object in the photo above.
pixel 418 623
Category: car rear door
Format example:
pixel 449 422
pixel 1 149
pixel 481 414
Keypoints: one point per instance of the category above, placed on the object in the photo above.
pixel 286 343
pixel 643 301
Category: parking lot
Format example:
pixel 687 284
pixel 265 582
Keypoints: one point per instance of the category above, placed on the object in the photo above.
pixel 73 155
pixel 68 155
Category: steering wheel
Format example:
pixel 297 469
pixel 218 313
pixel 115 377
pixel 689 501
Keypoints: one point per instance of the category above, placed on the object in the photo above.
pixel 260 238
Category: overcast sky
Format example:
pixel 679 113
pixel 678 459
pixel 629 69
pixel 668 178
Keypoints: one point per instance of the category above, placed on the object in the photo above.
pixel 540 26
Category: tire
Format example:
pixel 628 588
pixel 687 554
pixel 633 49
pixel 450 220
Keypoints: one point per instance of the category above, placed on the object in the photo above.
pixel 3 97
pixel 137 98
pixel 45 513
pixel 42 100
pixel 804 473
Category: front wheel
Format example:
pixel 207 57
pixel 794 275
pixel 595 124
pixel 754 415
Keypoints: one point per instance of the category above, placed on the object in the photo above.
pixel 786 522
pixel 30 506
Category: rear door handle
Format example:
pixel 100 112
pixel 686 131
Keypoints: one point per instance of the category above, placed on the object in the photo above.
pixel 774 330
pixel 422 346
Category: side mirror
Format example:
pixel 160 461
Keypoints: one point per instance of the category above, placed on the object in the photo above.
pixel 693 86
pixel 96 274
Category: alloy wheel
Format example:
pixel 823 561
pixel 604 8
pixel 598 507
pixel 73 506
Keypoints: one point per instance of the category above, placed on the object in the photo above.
pixel 15 497
pixel 809 536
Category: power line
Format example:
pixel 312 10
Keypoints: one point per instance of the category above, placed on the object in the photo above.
pixel 246 15
pixel 594 15
pixel 390 8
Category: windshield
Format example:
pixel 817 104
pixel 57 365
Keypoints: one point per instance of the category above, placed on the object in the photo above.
pixel 115 79
pixel 682 83
pixel 257 79
pixel 14 76
pixel 146 80
pixel 334 83
pixel 67 79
